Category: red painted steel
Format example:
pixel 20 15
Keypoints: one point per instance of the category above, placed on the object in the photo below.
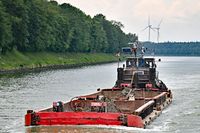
pixel 125 85
pixel 28 120
pixel 84 118
pixel 134 121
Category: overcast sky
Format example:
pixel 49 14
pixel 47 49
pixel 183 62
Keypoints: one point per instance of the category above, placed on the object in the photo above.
pixel 181 18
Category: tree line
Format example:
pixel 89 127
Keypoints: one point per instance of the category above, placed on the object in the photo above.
pixel 42 25
pixel 174 48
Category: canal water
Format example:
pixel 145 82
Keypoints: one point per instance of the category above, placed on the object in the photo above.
pixel 19 93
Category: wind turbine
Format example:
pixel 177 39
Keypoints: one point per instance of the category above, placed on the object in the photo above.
pixel 149 27
pixel 158 30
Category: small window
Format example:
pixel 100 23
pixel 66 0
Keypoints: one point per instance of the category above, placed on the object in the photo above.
pixel 140 72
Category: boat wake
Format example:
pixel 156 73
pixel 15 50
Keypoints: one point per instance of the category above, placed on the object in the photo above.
pixel 92 129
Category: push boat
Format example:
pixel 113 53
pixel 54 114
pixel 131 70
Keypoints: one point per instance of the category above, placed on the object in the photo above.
pixel 137 98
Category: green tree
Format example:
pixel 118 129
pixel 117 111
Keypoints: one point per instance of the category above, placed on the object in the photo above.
pixel 80 28
pixel 19 17
pixel 98 38
pixel 41 25
pixel 6 37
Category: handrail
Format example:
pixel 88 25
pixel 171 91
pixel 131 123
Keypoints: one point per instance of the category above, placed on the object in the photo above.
pixel 144 107
pixel 160 95
pixel 159 99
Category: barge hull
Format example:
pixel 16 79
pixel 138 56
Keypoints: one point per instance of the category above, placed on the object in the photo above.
pixel 82 118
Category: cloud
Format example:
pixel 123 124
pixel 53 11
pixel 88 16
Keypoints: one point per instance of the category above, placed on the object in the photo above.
pixel 183 10
pixel 173 9
pixel 181 17
pixel 152 8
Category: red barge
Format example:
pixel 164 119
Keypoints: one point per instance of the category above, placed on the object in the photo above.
pixel 137 98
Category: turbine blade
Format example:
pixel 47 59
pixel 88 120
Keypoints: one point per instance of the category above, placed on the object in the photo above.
pixel 160 22
pixel 145 28
pixel 152 28
pixel 149 20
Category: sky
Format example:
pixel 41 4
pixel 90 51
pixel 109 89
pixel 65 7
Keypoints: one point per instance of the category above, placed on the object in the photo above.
pixel 180 18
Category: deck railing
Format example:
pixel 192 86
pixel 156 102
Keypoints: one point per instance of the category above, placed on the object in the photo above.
pixel 160 99
pixel 145 109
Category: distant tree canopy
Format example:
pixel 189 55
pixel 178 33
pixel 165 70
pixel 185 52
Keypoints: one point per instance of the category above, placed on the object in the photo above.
pixel 42 25
pixel 174 48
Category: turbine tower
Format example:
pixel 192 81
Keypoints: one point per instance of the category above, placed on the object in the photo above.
pixel 149 27
pixel 158 30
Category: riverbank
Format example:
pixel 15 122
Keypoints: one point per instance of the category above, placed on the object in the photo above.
pixel 15 61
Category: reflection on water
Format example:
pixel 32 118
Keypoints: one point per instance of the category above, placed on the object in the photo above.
pixel 69 129
pixel 86 129
pixel 19 93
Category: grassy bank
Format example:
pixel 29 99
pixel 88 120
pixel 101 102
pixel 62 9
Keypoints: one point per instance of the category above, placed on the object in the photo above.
pixel 16 60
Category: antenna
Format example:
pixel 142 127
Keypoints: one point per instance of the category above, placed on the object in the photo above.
pixel 158 30
pixel 149 27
